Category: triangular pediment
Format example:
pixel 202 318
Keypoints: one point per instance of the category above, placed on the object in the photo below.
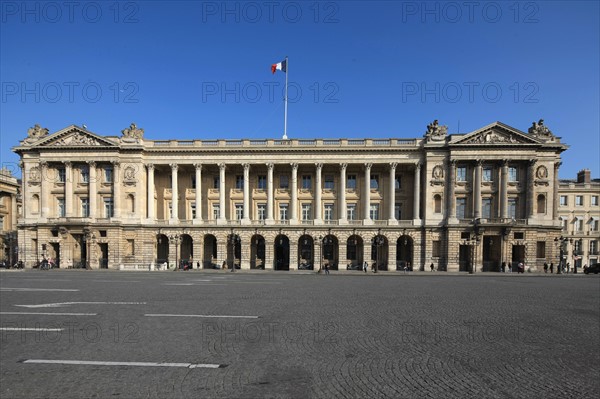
pixel 74 136
pixel 497 134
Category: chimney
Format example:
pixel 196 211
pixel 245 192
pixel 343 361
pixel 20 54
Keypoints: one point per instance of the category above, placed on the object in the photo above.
pixel 584 176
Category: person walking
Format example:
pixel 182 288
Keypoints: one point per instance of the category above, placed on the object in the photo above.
pixel 327 268
pixel 365 266
pixel 432 267
pixel 545 267
pixel 551 267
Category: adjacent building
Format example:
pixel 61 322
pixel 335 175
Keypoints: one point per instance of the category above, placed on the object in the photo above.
pixel 462 202
pixel 579 214
pixel 10 201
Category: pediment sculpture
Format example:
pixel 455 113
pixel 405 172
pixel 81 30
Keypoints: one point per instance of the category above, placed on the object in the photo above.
pixel 132 134
pixel 36 132
pixel 436 132
pixel 539 130
pixel 77 139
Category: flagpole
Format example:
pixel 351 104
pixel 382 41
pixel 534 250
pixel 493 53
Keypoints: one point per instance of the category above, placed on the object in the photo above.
pixel 285 99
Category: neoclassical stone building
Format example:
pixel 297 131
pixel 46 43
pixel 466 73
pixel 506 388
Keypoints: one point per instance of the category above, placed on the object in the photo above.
pixel 465 202
pixel 10 202
pixel 579 214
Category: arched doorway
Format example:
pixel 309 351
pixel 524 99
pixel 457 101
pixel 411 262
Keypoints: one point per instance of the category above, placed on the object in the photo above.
pixel 162 249
pixel 354 251
pixel 306 253
pixel 186 250
pixel 330 251
pixel 379 252
pixel 209 260
pixel 282 252
pixel 257 252
pixel 404 253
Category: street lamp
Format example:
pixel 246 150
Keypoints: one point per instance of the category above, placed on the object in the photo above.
pixel 378 241
pixel 175 239
pixel 233 240
pixel 88 239
pixel 561 242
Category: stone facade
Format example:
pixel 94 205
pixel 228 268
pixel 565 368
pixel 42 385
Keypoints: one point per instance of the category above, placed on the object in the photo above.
pixel 464 202
pixel 579 214
pixel 10 203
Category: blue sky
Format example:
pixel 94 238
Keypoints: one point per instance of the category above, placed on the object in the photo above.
pixel 201 70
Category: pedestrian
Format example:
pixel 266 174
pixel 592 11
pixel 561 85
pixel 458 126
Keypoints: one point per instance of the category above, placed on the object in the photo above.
pixel 520 268
pixel 551 267
pixel 198 264
pixel 568 267
pixel 326 268
pixel 365 266
pixel 545 267
pixel 432 267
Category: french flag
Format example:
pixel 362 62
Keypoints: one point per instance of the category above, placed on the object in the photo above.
pixel 282 66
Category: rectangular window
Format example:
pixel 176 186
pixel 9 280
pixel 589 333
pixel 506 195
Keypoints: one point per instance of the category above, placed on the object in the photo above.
pixel 193 210
pixel 541 250
pixel 85 174
pixel 108 175
pixel 593 247
pixel 374 212
pixel 61 175
pixel 193 181
pixel 216 211
pixel 487 173
pixel 328 212
pixel 284 181
pixel 594 201
pixel 239 182
pixel 398 182
pixel 262 182
pixel 85 207
pixel 170 205
pixel 435 248
pixel 594 225
pixel 564 200
pixel 486 208
pixel 261 211
pixel 351 211
pixel 398 211
pixel 578 223
pixel 329 183
pixel 351 182
pixel 283 211
pixel 513 175
pixel 579 200
pixel 216 181
pixel 374 182
pixel 60 202
pixel 306 182
pixel 306 212
pixel 577 247
pixel 108 207
pixel 512 208
pixel 461 205
pixel 239 211
pixel 130 247
pixel 461 173
pixel 565 223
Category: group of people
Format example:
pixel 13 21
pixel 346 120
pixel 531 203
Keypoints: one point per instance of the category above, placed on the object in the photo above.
pixel 564 268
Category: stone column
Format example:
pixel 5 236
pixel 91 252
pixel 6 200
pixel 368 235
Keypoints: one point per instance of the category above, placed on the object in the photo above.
pixel 222 188
pixel 417 194
pixel 150 191
pixel 198 200
pixel 451 195
pixel 367 251
pixel 92 189
pixel 246 215
pixel 504 189
pixel 245 253
pixel 44 189
pixel 116 189
pixel 270 201
pixel 392 251
pixel 530 188
pixel 13 210
pixel 293 253
pixel 68 189
pixel 294 192
pixel 342 254
pixel 477 190
pixel 342 196
pixel 318 217
pixel 555 201
pixel 392 194
pixel 367 194
pixel 174 193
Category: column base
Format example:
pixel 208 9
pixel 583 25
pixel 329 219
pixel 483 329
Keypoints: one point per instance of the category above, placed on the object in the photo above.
pixel 318 222
pixel 269 222
pixel 294 222
pixel 342 222
pixel 392 222
pixel 221 222
pixel 173 221
pixel 452 220
pixel 245 222
pixel 368 222
pixel 416 222
pixel 197 222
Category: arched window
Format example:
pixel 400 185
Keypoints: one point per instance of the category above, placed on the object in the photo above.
pixel 131 203
pixel 437 203
pixel 541 204
pixel 35 204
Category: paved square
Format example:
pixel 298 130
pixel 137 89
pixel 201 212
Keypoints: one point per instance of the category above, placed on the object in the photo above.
pixel 74 334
